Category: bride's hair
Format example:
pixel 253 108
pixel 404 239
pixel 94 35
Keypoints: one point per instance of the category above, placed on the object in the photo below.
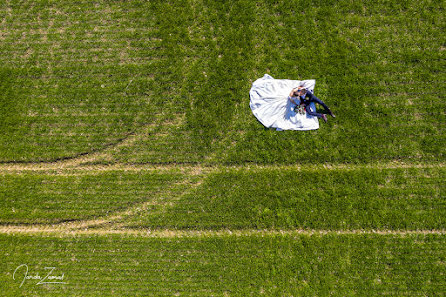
pixel 301 86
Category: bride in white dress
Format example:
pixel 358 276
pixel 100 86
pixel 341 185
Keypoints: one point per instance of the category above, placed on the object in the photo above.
pixel 270 104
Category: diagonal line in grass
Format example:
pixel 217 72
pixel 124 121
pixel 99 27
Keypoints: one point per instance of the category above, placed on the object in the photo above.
pixel 286 198
pixel 175 198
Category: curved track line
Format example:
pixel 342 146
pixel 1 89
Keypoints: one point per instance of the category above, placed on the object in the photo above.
pixel 74 161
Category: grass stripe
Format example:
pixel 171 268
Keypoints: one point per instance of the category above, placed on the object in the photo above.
pixel 91 229
pixel 271 197
pixel 297 264
pixel 32 198
pixel 315 199
pixel 89 165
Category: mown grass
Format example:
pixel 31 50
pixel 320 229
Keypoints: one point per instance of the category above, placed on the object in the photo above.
pixel 79 77
pixel 251 265
pixel 281 198
pixel 45 198
pixel 93 72
pixel 377 65
pixel 271 198
pixel 77 71
pixel 8 101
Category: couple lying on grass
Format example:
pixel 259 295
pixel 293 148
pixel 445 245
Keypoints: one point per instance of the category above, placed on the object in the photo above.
pixel 301 94
pixel 269 103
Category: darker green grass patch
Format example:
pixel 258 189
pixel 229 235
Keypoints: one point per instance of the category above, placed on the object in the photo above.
pixel 395 199
pixel 8 115
pixel 224 73
pixel 12 102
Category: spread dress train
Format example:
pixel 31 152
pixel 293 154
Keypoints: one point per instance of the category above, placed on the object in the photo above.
pixel 270 105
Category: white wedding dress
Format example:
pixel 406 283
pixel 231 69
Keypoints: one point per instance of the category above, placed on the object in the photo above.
pixel 269 103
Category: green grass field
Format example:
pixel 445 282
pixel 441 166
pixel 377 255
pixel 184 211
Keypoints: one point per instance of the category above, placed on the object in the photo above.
pixel 131 162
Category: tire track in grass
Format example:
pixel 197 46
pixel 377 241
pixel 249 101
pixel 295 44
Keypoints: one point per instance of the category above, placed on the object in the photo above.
pixel 167 233
pixel 117 221
pixel 154 201
pixel 81 164
pixel 70 62
pixel 71 161
pixel 103 155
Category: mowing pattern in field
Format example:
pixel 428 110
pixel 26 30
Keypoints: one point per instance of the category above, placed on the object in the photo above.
pixel 132 117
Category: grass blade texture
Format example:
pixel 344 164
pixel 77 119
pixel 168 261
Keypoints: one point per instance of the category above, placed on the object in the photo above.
pixel 131 163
